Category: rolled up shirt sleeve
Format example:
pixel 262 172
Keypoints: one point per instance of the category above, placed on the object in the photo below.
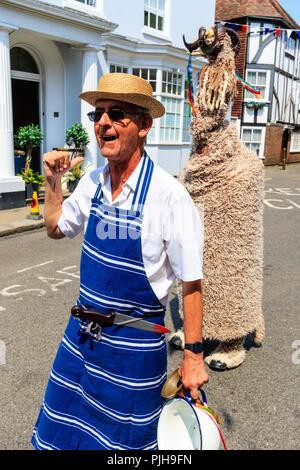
pixel 184 237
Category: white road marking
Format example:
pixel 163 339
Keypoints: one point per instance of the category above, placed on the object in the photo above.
pixel 35 266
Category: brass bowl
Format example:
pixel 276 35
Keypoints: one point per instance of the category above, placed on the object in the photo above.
pixel 172 385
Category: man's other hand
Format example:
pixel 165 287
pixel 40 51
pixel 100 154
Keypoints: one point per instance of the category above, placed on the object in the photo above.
pixel 193 373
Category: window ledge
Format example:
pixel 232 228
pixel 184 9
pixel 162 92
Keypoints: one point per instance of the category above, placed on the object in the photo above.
pixel 155 33
pixel 248 100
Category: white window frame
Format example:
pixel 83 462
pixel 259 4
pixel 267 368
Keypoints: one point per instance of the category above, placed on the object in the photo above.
pixel 295 142
pixel 146 76
pixel 173 96
pixel 174 80
pixel 123 68
pixel 173 113
pixel 261 142
pixel 150 9
pixel 250 96
pixel 288 42
pixel 152 135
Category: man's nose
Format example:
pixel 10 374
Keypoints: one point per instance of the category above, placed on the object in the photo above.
pixel 104 120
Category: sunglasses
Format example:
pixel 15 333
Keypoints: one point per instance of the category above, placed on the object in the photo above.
pixel 113 114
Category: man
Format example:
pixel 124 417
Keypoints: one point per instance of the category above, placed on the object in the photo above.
pixel 141 232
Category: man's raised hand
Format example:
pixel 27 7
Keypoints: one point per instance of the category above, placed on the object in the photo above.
pixel 57 163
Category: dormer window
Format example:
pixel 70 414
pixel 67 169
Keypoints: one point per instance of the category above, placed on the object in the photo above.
pixel 154 14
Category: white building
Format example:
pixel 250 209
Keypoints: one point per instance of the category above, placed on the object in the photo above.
pixel 51 50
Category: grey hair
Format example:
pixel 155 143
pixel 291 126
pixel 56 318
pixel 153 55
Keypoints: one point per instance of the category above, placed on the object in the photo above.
pixel 143 111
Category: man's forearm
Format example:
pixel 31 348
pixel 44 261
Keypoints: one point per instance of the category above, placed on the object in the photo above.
pixel 192 369
pixel 56 164
pixel 53 207
pixel 193 311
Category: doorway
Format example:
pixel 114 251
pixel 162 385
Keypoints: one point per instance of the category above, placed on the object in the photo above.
pixel 25 99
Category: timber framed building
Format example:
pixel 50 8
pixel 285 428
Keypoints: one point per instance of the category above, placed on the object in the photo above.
pixel 268 60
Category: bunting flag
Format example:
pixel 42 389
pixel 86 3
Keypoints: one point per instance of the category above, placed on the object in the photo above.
pixel 190 86
pixel 260 30
pixel 249 87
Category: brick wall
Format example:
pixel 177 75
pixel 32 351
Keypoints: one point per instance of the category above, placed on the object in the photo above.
pixel 240 63
pixel 273 145
pixel 273 152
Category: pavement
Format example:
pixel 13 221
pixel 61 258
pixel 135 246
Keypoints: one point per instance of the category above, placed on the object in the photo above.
pixel 18 220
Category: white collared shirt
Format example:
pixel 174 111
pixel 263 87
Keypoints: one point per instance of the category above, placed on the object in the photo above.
pixel 172 231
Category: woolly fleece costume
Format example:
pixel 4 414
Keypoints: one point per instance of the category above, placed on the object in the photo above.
pixel 225 180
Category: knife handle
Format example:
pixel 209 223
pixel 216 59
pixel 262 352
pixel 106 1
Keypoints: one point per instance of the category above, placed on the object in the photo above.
pixel 92 315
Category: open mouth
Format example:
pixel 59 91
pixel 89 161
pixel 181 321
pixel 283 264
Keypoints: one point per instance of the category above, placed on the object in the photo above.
pixel 108 138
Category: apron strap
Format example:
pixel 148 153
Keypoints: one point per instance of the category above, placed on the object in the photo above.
pixel 143 184
pixel 98 193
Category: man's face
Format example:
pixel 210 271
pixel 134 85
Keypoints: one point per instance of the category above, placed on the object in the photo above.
pixel 118 139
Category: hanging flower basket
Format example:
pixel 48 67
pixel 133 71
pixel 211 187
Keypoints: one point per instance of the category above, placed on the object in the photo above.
pixel 255 104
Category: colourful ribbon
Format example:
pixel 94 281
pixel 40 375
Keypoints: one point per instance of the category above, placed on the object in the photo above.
pixel 211 416
pixel 190 86
pixel 249 87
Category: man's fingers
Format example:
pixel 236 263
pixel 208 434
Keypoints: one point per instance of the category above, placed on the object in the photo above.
pixel 194 393
pixel 75 162
pixel 56 163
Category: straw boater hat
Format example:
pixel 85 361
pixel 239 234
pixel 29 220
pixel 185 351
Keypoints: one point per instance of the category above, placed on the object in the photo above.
pixel 127 88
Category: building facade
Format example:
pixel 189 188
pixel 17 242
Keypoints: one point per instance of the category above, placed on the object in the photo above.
pixel 269 61
pixel 52 50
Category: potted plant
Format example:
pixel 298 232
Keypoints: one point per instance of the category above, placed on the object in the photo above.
pixel 77 136
pixel 77 139
pixel 73 176
pixel 28 138
pixel 33 180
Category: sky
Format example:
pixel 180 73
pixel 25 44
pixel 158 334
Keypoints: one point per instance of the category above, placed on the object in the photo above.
pixel 293 8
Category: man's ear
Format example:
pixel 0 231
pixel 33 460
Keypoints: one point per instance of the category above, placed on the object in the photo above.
pixel 145 125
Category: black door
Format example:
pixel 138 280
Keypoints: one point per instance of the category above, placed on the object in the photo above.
pixel 25 99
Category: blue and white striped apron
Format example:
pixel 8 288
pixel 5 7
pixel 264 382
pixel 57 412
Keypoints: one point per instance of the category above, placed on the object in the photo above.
pixel 106 394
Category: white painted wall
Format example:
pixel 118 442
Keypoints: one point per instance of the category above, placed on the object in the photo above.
pixel 182 17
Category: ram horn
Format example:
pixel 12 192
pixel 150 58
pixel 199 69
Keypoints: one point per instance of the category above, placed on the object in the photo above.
pixel 191 46
pixel 196 44
pixel 235 40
